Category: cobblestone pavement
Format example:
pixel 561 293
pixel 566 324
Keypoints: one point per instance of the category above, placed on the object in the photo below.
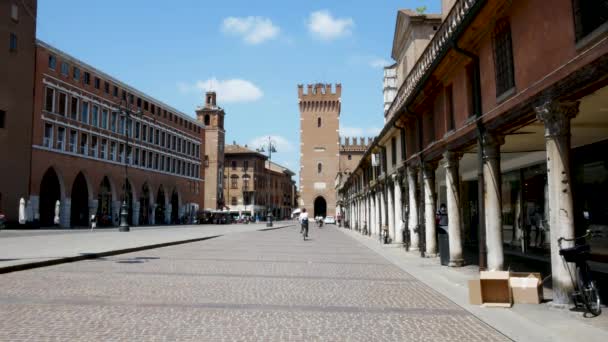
pixel 250 286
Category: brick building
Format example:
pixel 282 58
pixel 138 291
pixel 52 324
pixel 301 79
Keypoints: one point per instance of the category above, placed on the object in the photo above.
pixel 322 157
pixel 86 127
pixel 18 27
pixel 502 118
pixel 254 185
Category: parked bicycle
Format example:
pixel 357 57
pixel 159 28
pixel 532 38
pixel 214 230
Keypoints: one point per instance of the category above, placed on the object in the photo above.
pixel 585 288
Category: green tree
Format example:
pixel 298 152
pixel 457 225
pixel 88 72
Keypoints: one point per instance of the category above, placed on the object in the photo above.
pixel 421 9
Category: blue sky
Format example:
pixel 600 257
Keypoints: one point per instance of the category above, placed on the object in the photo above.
pixel 253 53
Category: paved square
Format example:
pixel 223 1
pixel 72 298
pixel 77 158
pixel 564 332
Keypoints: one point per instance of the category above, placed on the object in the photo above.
pixel 249 286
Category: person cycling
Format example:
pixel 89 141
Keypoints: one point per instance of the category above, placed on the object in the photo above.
pixel 304 223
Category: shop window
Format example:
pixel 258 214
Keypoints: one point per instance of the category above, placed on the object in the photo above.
pixel 589 16
pixel 503 57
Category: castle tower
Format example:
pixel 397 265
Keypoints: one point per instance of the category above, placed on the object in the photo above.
pixel 319 147
pixel 212 117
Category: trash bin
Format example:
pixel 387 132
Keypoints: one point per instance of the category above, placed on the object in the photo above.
pixel 444 245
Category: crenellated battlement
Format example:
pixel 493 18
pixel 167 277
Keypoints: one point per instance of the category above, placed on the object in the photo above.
pixel 319 91
pixel 355 143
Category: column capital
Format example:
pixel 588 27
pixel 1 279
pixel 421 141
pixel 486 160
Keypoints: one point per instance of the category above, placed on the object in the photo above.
pixel 491 145
pixel 428 169
pixel 451 159
pixel 397 177
pixel 556 116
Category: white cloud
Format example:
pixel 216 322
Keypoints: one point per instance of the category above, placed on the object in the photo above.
pixel 359 131
pixel 379 63
pixel 323 25
pixel 253 30
pixel 281 143
pixel 232 90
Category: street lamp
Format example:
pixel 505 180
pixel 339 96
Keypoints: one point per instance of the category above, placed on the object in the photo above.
pixel 126 112
pixel 271 148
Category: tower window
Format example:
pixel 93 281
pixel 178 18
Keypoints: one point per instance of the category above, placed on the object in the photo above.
pixel 207 120
pixel 318 122
pixel 319 168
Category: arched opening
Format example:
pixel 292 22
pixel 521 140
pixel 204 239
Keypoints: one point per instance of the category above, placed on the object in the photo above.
pixel 129 197
pixel 174 207
pixel 104 203
pixel 79 215
pixel 320 207
pixel 144 205
pixel 318 122
pixel 207 120
pixel 159 215
pixel 50 193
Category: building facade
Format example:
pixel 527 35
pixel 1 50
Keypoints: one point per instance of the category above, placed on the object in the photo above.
pixel 18 22
pixel 499 118
pixel 254 185
pixel 97 142
pixel 212 117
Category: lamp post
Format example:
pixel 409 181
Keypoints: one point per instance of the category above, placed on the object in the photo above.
pixel 271 148
pixel 126 112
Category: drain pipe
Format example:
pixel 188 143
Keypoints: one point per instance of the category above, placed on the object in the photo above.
pixel 480 136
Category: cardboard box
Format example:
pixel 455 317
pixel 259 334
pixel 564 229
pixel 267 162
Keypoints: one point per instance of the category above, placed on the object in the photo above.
pixel 526 287
pixel 475 292
pixel 495 290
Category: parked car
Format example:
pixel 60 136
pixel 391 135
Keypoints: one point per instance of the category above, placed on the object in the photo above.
pixel 329 220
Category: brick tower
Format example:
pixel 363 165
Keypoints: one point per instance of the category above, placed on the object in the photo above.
pixel 212 116
pixel 319 147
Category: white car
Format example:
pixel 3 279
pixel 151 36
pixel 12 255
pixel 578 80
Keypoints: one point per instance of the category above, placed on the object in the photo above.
pixel 329 219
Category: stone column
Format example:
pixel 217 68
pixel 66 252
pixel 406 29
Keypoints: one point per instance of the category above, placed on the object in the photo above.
pixel 493 201
pixel 391 211
pixel 398 209
pixel 383 204
pixel 430 224
pixel 65 212
pixel 135 213
pixel 413 213
pixel 380 212
pixel 168 213
pixel 34 204
pixel 374 213
pixel 453 206
pixel 556 116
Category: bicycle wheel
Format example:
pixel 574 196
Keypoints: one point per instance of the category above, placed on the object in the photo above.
pixel 589 293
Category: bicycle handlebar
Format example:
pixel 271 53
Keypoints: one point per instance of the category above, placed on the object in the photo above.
pixel 587 234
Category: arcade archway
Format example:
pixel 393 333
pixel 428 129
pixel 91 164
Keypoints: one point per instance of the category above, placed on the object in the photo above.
pixel 174 207
pixel 50 193
pixel 79 215
pixel 104 205
pixel 320 208
pixel 144 205
pixel 160 206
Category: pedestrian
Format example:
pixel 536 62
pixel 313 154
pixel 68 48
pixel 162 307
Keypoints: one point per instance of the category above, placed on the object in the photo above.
pixel 304 222
pixel 93 221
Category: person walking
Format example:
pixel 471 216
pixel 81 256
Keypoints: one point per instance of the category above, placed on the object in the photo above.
pixel 304 223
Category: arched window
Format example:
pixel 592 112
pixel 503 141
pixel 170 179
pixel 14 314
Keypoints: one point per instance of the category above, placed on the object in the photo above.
pixel 319 168
pixel 318 122
pixel 207 120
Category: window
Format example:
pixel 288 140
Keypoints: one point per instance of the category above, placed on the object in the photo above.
pixel 123 95
pixel 52 62
pixel 350 157
pixel 143 158
pixel 106 87
pixel 156 137
pixel 84 114
pixel 12 42
pixel 503 57
pixel 121 152
pixel 207 120
pixel 318 122
pixel 65 68
pixel 76 74
pixel 246 183
pixel 234 181
pixel 104 118
pixel 156 161
pixel 94 115
pixel 245 165
pixel 162 139
pixel 162 163
pixel 144 132
pixel 151 135
pixel 15 12
pixel 83 144
pixel 588 16
pixel 115 91
pixel 319 168
pixel 97 83
pixel 87 78
pixel 104 149
pixel 131 98
pixel 139 103
pixel 48 136
pixel 93 151
pixel 73 143
pixel 113 118
pixel 233 165
pixel 450 108
pixel 129 155
pixel 112 150
pixel 74 108
pixel 60 138
pixel 136 160
pixel 129 127
pixel 2 118
pixel 121 125
pixel 393 151
pixel 146 105
pixel 234 201
pixel 63 104
pixel 149 160
pixel 137 130
pixel 49 105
